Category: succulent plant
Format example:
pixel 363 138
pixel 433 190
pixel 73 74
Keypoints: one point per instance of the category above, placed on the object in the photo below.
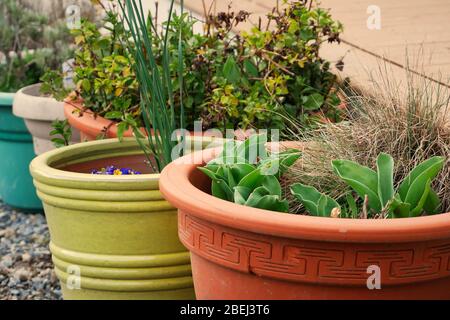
pixel 413 197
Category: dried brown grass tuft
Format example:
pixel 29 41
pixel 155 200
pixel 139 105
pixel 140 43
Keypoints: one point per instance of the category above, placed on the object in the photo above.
pixel 408 120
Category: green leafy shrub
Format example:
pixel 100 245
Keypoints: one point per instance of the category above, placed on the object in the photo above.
pixel 103 76
pixel 253 79
pixel 274 72
pixel 29 45
pixel 61 133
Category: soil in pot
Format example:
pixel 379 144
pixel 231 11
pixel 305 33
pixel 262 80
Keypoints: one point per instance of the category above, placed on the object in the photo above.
pixel 16 150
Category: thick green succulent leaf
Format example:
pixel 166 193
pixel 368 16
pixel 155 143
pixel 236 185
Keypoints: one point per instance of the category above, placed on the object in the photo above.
pixel 316 203
pixel 248 151
pixel 385 174
pixel 362 179
pixel 256 195
pixel 252 180
pixel 289 157
pixel 231 181
pixel 273 203
pixel 220 189
pixel 240 170
pixel 262 199
pixel 272 185
pixel 241 194
pixel 253 148
pixel 403 210
pixel 270 166
pixel 212 167
pixel 352 207
pixel 399 209
pixel 308 196
pixel 424 171
pixel 210 173
pixel 432 203
pixel 418 184
pixel 232 160
pixel 278 163
pixel 325 206
pixel 419 208
pixel 219 184
pixel 228 154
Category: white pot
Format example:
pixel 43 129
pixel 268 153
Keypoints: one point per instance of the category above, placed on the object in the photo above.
pixel 39 112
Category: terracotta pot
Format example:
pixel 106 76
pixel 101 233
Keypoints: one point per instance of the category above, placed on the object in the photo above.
pixel 112 237
pixel 39 112
pixel 91 126
pixel 239 252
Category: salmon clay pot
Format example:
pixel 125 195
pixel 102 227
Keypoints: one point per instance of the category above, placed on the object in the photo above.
pixel 112 237
pixel 91 126
pixel 239 252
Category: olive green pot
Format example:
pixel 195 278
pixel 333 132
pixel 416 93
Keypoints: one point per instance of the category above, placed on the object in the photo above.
pixel 112 237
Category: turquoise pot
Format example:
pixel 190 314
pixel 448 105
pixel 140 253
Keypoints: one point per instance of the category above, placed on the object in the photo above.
pixel 16 153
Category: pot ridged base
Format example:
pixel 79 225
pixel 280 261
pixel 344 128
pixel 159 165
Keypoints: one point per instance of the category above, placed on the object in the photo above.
pixel 86 294
pixel 93 276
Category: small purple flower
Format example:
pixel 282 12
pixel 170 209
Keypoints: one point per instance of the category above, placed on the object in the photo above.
pixel 126 170
pixel 113 170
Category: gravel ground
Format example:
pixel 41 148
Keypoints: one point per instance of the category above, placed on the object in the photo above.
pixel 26 269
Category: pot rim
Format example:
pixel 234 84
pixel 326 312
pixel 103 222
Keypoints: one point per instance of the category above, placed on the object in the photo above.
pixel 177 188
pixel 6 99
pixel 30 106
pixel 43 168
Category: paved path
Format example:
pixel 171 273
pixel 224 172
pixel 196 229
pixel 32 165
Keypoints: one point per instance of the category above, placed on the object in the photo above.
pixel 412 32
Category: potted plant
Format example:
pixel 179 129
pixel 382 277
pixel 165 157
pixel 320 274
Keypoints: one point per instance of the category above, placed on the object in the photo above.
pixel 25 52
pixel 253 79
pixel 362 214
pixel 47 114
pixel 113 236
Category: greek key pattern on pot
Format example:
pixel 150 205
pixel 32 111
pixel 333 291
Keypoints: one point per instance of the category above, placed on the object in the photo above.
pixel 313 261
